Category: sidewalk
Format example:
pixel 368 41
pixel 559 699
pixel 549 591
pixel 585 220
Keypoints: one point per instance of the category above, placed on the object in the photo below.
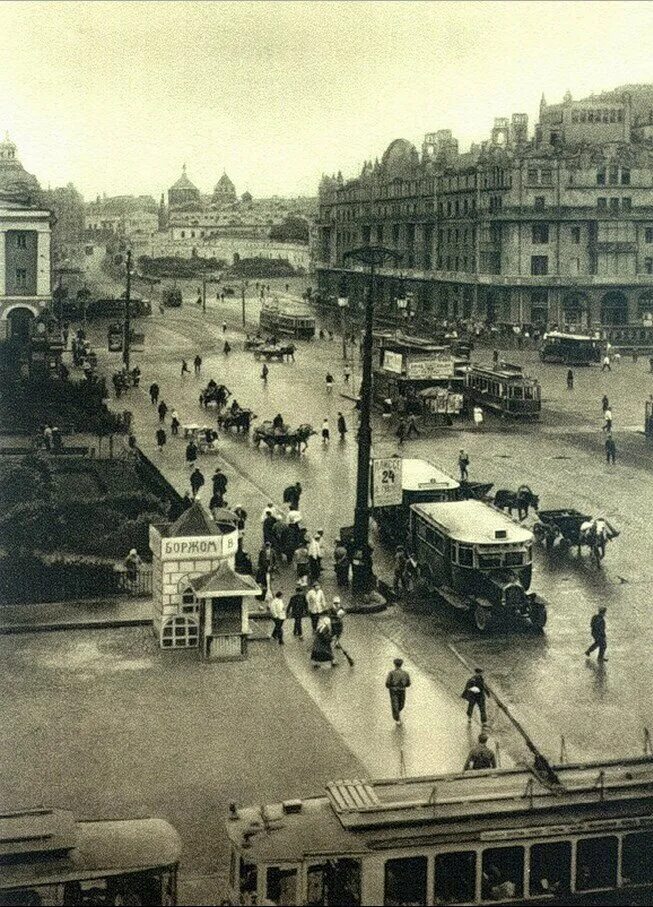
pixel 75 615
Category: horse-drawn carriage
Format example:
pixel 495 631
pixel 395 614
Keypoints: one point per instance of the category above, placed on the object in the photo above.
pixel 253 343
pixel 521 500
pixel 276 351
pixel 282 436
pixel 214 395
pixel 240 419
pixel 568 528
pixel 205 437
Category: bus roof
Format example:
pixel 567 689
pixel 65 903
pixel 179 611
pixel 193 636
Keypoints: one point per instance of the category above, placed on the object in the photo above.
pixel 357 817
pixel 474 522
pixel 560 335
pixel 63 849
pixel 420 475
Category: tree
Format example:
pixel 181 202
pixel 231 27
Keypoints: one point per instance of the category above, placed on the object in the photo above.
pixel 293 229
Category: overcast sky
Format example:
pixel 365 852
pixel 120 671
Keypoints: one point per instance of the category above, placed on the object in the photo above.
pixel 116 96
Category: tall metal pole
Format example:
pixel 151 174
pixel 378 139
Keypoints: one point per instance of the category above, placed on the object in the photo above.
pixel 204 295
pixel 343 328
pixel 242 290
pixel 127 332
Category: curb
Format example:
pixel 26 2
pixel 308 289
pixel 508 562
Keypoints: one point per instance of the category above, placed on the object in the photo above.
pixel 16 629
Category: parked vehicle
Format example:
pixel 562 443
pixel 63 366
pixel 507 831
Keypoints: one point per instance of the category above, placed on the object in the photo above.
pixel 421 483
pixel 571 349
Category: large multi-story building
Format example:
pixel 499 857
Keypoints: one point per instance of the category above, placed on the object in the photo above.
pixel 557 229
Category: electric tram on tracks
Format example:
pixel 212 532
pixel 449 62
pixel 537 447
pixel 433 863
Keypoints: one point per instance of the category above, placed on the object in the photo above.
pixel 504 389
pixel 573 834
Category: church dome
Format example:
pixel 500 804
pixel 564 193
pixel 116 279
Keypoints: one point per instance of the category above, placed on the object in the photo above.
pixel 183 194
pixel 14 179
pixel 224 188
pixel 183 182
pixel 399 159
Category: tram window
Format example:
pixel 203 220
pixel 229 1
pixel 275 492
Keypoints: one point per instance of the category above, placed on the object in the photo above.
pixel 596 863
pixel 137 889
pixel 455 877
pixel 550 869
pixel 513 559
pixel 489 560
pixel 518 392
pixel 528 393
pixel 465 556
pixel 30 897
pixel 334 883
pixel 637 858
pixel 281 885
pixel 503 873
pixel 405 881
pixel 248 881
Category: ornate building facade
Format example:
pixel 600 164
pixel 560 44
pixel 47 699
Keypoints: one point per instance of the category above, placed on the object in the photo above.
pixel 554 229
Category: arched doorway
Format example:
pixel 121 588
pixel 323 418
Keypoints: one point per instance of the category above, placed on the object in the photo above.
pixel 575 311
pixel 645 308
pixel 614 308
pixel 19 325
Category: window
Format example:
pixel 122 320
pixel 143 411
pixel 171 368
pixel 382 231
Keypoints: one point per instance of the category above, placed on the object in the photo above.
pixel 596 863
pixel 602 204
pixel 648 265
pixel 648 235
pixel 513 559
pixel 546 177
pixel 614 205
pixel 540 233
pixel 21 241
pixel 625 176
pixel 21 278
pixel 503 874
pixel 333 883
pixel 532 176
pixel 600 177
pixel 637 859
pixel 613 175
pixel 465 556
pixel 538 203
pixel 575 235
pixel 183 234
pixel 550 869
pixel 281 885
pixel 180 633
pixel 627 204
pixel 405 881
pixel 455 878
pixel 539 264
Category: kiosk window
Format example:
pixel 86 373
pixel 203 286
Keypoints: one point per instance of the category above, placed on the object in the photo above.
pixel 334 883
pixel 596 863
pixel 405 881
pixel 455 878
pixel 503 873
pixel 637 858
pixel 281 885
pixel 550 869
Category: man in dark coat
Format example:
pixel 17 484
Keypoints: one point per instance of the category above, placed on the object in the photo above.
pixel 480 755
pixel 196 481
pixel 475 693
pixel 154 393
pixel 219 480
pixel 297 609
pixel 268 528
pixel 191 453
pixel 342 426
pixel 597 629
pixel 397 682
pixel 163 409
pixel 292 494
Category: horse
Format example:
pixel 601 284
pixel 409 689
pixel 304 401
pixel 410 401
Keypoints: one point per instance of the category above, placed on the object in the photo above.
pixel 240 420
pixel 521 500
pixel 292 439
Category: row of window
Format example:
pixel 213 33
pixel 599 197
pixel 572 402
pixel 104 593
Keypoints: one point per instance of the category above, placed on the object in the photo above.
pixel 598 115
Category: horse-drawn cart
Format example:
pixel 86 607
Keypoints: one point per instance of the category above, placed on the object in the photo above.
pixel 278 352
pixel 569 528
pixel 241 420
pixel 284 437
pixel 475 491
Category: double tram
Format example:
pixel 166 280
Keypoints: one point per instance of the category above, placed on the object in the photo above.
pixel 504 389
pixel 576 834
pixel 48 858
pixel 280 318
pixel 571 349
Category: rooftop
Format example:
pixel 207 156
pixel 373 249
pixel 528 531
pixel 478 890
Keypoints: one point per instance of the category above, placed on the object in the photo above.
pixel 418 475
pixel 474 522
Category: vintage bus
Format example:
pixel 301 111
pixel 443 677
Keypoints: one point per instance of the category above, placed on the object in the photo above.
pixel 421 483
pixel 579 834
pixel 571 349
pixel 478 559
pixel 48 858
pixel 504 389
pixel 282 318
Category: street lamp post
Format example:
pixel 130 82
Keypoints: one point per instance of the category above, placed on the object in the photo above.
pixel 363 575
pixel 127 328
pixel 343 303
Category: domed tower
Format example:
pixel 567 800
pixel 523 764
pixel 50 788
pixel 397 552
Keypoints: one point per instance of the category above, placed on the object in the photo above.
pixel 183 194
pixel 224 192
pixel 14 179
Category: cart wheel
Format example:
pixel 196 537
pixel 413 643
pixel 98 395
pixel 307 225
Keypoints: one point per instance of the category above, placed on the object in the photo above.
pixel 538 616
pixel 482 618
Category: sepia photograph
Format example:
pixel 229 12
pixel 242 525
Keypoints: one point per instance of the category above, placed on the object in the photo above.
pixel 326 452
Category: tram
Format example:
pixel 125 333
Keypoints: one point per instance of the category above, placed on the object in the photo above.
pixel 504 389
pixel 421 483
pixel 49 858
pixel 571 349
pixel 281 318
pixel 578 834
pixel 478 559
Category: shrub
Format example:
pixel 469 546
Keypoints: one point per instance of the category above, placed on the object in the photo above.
pixel 26 579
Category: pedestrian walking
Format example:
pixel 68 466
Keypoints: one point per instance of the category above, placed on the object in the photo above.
pixel 224 327
pixel 316 604
pixel 268 527
pixel 315 554
pixel 342 426
pixel 397 682
pixel 347 374
pixel 162 410
pixel 160 439
pixel 495 358
pixel 610 450
pixel 341 564
pixel 605 403
pixel 278 612
pixel 570 380
pixel 292 494
pixel 264 373
pixel 219 482
pixel 184 369
pixel 411 428
pixel 197 365
pixel 47 437
pixel 297 610
pixel 329 382
pixel 196 481
pixel 174 422
pixel 599 637
pixel 154 393
pixel 478 418
pixel 191 453
pixel 607 415
pixel 480 756
pixel 302 562
pixel 399 576
pixel 267 565
pixel 325 432
pixel 321 652
pixel 463 465
pixel 226 349
pixel 606 363
pixel 401 432
pixel 475 693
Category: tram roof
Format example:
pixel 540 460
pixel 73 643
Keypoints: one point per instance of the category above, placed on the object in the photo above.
pixel 560 335
pixel 63 849
pixel 503 372
pixel 421 475
pixel 356 817
pixel 474 522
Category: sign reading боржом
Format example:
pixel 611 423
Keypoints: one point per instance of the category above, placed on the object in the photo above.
pixel 180 548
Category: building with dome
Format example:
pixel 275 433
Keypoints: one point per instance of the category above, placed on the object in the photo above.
pixel 224 192
pixel 183 195
pixel 15 181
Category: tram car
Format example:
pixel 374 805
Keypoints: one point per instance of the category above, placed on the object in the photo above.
pixel 578 834
pixel 571 349
pixel 49 858
pixel 504 389
pixel 283 319
pixel 478 559
pixel 421 483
